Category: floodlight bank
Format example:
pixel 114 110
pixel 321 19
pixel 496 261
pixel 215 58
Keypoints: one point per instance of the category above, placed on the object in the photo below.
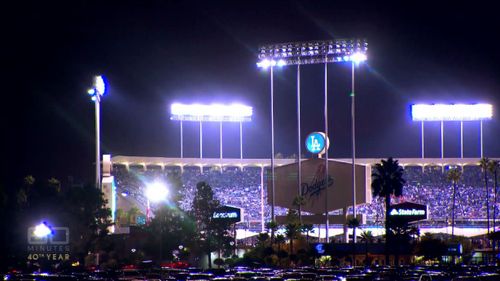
pixel 211 113
pixel 312 52
pixel 451 112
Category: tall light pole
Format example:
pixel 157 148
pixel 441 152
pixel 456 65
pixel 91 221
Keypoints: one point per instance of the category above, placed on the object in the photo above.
pixel 96 92
pixel 452 113
pixel 327 219
pixel 310 52
pixel 356 59
pixel 211 113
pixel 271 64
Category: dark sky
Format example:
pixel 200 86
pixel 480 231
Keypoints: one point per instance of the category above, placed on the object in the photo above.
pixel 154 53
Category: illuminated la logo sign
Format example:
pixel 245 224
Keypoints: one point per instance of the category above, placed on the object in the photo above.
pixel 317 143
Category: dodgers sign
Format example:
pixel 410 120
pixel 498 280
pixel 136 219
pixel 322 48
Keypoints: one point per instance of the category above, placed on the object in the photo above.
pixel 316 143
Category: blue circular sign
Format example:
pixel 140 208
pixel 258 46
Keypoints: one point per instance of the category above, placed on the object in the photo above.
pixel 315 142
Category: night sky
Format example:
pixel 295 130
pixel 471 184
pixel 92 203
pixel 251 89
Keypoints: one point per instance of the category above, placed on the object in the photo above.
pixel 154 53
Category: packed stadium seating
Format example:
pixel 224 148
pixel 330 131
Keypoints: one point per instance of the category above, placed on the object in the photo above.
pixel 242 188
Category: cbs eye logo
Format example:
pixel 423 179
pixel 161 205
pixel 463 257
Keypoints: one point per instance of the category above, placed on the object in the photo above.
pixel 58 236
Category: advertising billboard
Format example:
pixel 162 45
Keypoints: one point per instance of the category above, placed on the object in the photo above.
pixel 408 212
pixel 228 213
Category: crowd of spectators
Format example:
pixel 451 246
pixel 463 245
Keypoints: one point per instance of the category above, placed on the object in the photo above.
pixel 242 188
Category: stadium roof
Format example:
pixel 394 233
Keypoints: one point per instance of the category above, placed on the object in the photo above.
pixel 236 162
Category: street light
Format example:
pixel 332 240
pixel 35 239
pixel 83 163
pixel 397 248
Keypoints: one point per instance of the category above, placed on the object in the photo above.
pixel 96 92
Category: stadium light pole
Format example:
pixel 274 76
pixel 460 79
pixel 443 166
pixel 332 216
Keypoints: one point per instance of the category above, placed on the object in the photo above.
pixel 182 141
pixel 461 139
pixel 481 137
pixel 356 59
pixel 265 64
pixel 96 92
pixel 220 139
pixel 453 112
pixel 310 52
pixel 272 146
pixel 299 141
pixel 241 140
pixel 442 139
pixel 210 113
pixel 327 221
pixel 423 139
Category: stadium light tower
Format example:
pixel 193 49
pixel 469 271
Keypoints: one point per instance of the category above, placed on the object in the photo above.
pixel 356 59
pixel 452 112
pixel 96 92
pixel 211 113
pixel 299 53
pixel 270 64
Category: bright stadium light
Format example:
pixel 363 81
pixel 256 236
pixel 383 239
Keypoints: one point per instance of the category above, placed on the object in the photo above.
pixel 211 113
pixel 311 52
pixel 42 230
pixel 451 112
pixel 357 57
pixel 156 192
pixel 96 92
pixel 99 85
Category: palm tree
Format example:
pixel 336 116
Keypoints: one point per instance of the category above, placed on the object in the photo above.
pixel 299 201
pixel 387 180
pixel 307 228
pixel 368 238
pixel 280 240
pixel 454 176
pixel 493 167
pixel 272 226
pixel 132 214
pixel 292 227
pixel 262 238
pixel 353 223
pixel 119 215
pixel 484 166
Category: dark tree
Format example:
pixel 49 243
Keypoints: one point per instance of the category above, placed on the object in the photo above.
pixel 430 248
pixel 212 234
pixel 292 227
pixel 387 180
pixel 80 208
